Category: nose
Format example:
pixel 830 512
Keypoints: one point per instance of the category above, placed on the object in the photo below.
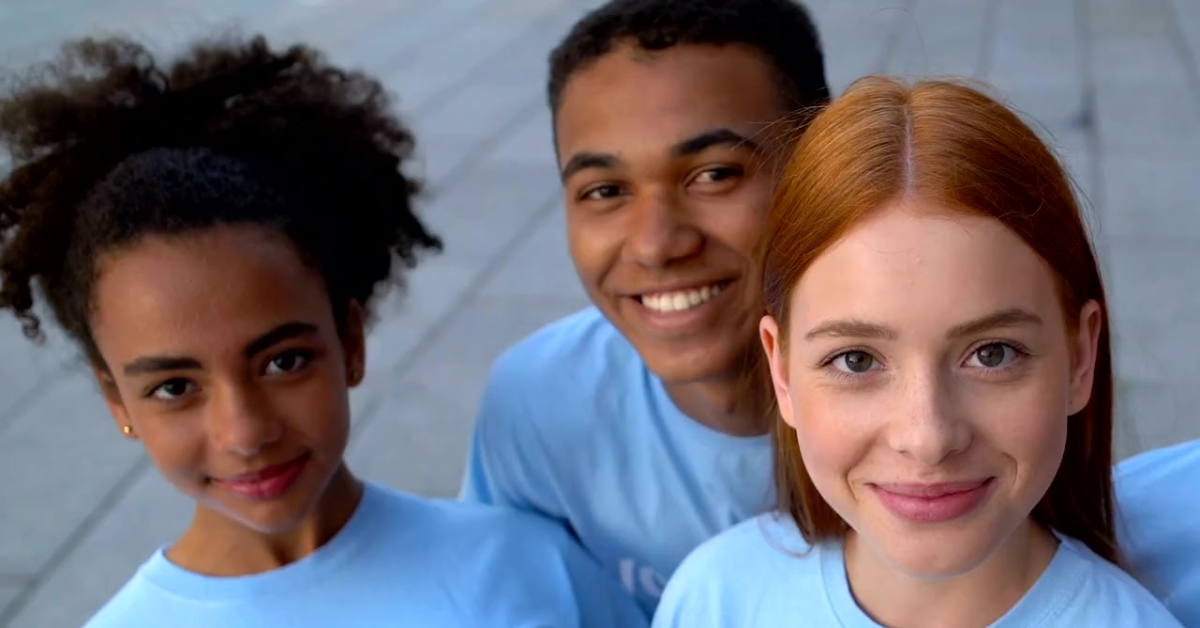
pixel 928 423
pixel 240 422
pixel 660 232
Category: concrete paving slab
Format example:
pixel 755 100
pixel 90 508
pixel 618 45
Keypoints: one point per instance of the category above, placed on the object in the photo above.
pixel 68 454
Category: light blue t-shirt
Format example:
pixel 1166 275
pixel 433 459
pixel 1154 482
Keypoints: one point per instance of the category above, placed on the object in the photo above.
pixel 763 573
pixel 399 561
pixel 1158 521
pixel 574 427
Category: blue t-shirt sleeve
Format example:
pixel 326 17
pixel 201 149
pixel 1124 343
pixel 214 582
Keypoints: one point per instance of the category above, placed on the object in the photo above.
pixel 495 460
pixel 692 596
pixel 602 601
pixel 479 478
pixel 1158 517
pixel 553 581
pixel 134 606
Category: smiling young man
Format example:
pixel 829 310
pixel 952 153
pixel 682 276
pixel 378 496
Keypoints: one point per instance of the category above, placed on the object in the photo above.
pixel 629 421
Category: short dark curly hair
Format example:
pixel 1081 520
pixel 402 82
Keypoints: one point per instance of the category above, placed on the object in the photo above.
pixel 781 30
pixel 108 148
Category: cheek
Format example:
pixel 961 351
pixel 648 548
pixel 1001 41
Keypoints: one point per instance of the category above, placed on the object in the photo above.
pixel 592 248
pixel 176 444
pixel 319 410
pixel 1027 423
pixel 738 219
pixel 833 429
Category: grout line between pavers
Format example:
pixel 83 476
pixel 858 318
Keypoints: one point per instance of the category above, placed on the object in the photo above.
pixel 893 37
pixel 1087 120
pixel 437 186
pixel 440 97
pixel 74 540
pixel 10 414
pixel 987 42
pixel 1182 47
pixel 474 157
pixel 489 272
pixel 438 330
pixel 409 53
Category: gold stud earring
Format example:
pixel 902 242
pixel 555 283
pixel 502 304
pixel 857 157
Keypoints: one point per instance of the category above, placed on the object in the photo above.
pixel 127 430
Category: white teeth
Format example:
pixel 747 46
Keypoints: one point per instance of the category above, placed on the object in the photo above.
pixel 680 300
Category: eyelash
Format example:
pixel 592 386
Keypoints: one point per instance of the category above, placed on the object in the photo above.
pixel 151 392
pixel 305 356
pixel 728 171
pixel 587 193
pixel 1020 350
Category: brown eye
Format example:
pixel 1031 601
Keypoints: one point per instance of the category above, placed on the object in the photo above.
pixel 600 192
pixel 288 362
pixel 171 389
pixel 718 175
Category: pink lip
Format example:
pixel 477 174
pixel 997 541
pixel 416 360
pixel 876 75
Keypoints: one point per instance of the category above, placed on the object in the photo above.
pixel 268 482
pixel 933 503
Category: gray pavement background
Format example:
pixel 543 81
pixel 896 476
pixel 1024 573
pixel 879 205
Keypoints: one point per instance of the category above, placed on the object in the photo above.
pixel 1114 83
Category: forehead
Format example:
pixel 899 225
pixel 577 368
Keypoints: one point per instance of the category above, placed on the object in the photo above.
pixel 196 293
pixel 916 263
pixel 631 100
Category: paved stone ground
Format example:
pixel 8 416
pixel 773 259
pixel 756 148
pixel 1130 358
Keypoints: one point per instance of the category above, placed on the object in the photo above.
pixel 1114 82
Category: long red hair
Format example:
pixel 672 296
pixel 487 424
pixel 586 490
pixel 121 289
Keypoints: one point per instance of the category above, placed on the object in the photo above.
pixel 952 145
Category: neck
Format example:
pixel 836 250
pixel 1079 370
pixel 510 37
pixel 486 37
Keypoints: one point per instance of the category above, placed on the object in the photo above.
pixel 974 599
pixel 216 545
pixel 734 403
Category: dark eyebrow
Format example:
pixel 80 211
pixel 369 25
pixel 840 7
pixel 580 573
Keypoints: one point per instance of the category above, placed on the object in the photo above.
pixel 686 148
pixel 853 328
pixel 585 160
pixel 1014 317
pixel 155 363
pixel 708 139
pixel 285 331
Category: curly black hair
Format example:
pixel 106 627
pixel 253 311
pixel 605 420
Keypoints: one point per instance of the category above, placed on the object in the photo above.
pixel 107 147
pixel 781 30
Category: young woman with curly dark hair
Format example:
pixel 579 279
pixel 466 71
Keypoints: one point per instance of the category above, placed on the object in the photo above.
pixel 213 235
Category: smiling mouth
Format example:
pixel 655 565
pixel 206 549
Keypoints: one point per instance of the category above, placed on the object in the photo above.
pixel 267 483
pixel 682 300
pixel 933 503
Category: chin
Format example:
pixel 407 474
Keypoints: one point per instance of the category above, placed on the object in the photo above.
pixel 689 363
pixel 932 556
pixel 269 516
pixel 678 372
pixel 271 520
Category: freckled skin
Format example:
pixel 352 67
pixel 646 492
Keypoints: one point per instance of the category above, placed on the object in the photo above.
pixel 926 405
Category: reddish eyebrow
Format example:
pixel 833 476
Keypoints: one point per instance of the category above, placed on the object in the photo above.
pixel 855 328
